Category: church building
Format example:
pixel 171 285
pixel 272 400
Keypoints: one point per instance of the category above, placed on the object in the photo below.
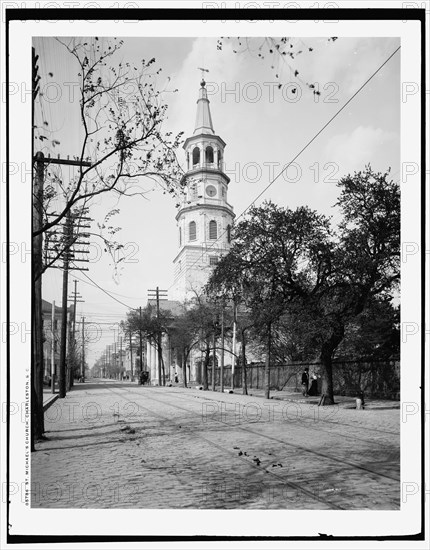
pixel 204 221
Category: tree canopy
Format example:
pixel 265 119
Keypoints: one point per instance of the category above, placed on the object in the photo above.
pixel 294 265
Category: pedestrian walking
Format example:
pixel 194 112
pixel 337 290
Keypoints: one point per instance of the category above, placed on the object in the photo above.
pixel 305 381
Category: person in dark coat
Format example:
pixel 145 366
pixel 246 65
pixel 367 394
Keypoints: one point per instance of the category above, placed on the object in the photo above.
pixel 313 390
pixel 305 381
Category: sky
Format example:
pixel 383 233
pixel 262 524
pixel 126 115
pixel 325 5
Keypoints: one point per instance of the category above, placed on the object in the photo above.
pixel 264 128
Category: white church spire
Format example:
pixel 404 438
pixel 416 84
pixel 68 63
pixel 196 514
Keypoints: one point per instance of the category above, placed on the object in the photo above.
pixel 203 118
pixel 204 217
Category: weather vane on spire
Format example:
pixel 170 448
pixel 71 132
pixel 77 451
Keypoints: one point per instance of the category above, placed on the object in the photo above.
pixel 203 72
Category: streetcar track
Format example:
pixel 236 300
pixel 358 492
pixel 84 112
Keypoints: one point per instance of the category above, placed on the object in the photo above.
pixel 308 421
pixel 388 432
pixel 291 484
pixel 272 438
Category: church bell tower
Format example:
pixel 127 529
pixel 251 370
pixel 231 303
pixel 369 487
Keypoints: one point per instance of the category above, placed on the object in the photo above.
pixel 204 217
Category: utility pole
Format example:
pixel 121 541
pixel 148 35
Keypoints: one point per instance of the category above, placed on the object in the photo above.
pixel 37 267
pixel 72 337
pixel 67 230
pixel 75 297
pixel 53 347
pixel 109 358
pixel 83 350
pixel 37 292
pixel 159 295
pixel 120 358
pixel 159 350
pixel 115 357
pixel 67 254
pixel 221 369
pixel 37 424
pixel 131 359
pixel 140 341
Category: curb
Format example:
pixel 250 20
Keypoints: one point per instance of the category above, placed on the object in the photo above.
pixel 50 402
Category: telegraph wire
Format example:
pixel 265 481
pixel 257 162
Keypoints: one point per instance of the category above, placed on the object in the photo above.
pixel 319 132
pixel 296 156
pixel 267 187
pixel 106 292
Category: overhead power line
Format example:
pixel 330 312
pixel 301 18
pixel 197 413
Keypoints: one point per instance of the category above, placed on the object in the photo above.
pixel 270 184
pixel 299 153
pixel 320 131
pixel 107 293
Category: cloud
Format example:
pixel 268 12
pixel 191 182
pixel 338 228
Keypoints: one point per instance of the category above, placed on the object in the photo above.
pixel 352 151
pixel 222 69
pixel 348 62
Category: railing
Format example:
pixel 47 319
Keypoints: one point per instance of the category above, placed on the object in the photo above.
pixel 210 165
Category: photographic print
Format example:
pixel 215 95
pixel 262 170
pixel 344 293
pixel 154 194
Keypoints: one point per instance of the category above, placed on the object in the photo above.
pixel 222 305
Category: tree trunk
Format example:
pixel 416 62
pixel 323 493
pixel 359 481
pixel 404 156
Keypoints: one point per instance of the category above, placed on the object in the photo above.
pixel 327 380
pixel 327 351
pixel 163 370
pixel 213 362
pixel 244 381
pixel 160 370
pixel 267 364
pixel 184 368
pixel 221 366
pixel 205 369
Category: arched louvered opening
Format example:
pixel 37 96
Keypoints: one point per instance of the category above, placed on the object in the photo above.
pixel 209 155
pixel 192 231
pixel 213 230
pixel 196 156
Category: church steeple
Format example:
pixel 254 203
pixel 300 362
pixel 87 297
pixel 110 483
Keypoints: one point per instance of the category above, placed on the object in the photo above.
pixel 204 217
pixel 203 118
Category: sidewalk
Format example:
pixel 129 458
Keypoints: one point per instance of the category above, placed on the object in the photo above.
pixel 49 398
pixel 343 402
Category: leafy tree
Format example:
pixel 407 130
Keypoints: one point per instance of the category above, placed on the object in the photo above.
pixel 292 262
pixel 266 266
pixel 152 327
pixel 185 335
pixel 374 335
pixel 121 112
pixel 203 316
pixel 245 329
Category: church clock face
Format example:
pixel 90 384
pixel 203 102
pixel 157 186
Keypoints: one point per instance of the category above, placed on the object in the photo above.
pixel 210 191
